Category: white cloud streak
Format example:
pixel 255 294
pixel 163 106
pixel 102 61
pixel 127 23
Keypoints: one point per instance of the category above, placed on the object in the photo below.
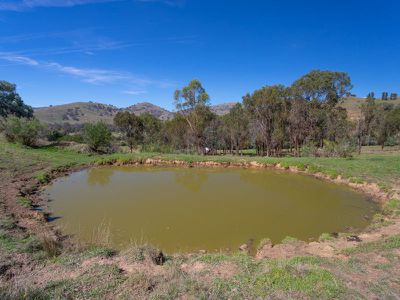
pixel 134 93
pixel 18 59
pixel 21 5
pixel 89 75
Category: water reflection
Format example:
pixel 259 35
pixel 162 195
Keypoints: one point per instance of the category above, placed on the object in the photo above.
pixel 191 180
pixel 99 176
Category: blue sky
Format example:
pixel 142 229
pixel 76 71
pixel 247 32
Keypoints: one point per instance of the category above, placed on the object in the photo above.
pixel 126 51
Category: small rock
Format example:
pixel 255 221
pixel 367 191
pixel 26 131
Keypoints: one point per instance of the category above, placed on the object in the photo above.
pixel 244 247
pixel 202 251
pixel 353 238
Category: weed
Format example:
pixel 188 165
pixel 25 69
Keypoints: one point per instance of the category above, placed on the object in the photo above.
pixel 102 235
pixel 312 169
pixel 140 253
pixel 49 245
pixel 289 240
pixel 99 251
pixel 213 259
pixel 391 206
pixel 324 237
pixel 7 223
pixel 264 242
pixel 43 177
pixel 25 202
pixel 333 174
pixel 356 180
pixel 301 166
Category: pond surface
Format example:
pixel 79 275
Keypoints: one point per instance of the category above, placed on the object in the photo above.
pixel 211 209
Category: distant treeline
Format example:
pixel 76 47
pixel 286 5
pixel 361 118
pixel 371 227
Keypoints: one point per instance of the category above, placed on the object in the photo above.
pixel 302 119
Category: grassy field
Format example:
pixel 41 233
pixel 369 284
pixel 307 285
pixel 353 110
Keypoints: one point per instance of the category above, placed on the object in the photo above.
pixel 34 267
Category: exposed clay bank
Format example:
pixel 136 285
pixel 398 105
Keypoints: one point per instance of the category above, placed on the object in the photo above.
pixel 181 209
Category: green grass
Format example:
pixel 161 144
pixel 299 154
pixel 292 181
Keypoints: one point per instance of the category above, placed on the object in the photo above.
pixel 7 223
pixel 297 277
pixel 213 259
pixel 378 246
pixel 25 202
pixel 12 244
pixel 289 240
pixel 325 237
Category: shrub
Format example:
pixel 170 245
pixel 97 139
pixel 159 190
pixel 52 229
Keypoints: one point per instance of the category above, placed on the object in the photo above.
pixel 264 242
pixel 289 240
pixel 325 237
pixel 392 206
pixel 25 202
pixel 98 137
pixel 43 177
pixel 20 130
pixel 77 138
pixel 54 135
pixel 309 149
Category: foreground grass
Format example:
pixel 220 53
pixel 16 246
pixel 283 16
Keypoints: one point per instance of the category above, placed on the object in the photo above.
pixel 94 272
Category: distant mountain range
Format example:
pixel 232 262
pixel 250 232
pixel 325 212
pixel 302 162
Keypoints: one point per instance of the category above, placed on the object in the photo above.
pixel 89 112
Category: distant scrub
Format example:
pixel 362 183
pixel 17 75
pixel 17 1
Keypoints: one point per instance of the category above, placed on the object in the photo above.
pixel 98 137
pixel 23 131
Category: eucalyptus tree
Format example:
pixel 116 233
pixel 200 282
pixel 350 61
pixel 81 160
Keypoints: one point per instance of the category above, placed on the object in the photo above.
pixel 322 90
pixel 237 123
pixel 131 125
pixel 368 114
pixel 323 86
pixel 151 129
pixel 192 103
pixel 265 107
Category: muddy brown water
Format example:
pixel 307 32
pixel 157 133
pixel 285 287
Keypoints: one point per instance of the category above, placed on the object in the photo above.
pixel 190 209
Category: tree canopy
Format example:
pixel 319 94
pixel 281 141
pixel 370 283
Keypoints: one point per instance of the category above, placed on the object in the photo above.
pixel 11 103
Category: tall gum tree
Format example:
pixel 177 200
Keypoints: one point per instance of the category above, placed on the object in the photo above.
pixel 192 103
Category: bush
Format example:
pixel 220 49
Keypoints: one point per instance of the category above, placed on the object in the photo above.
pixel 77 138
pixel 54 135
pixel 342 148
pixel 98 137
pixel 309 149
pixel 20 130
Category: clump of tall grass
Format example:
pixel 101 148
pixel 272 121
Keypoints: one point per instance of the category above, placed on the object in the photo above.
pixel 143 252
pixel 49 245
pixel 25 202
pixel 102 235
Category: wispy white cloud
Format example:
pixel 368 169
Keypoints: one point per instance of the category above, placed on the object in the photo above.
pixel 95 76
pixel 89 75
pixel 134 93
pixel 18 59
pixel 87 41
pixel 20 5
